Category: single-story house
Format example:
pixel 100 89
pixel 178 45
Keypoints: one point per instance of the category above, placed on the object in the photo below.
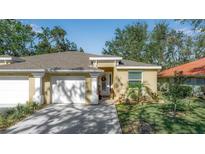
pixel 194 73
pixel 70 77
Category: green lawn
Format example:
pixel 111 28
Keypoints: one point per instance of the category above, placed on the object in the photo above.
pixel 158 118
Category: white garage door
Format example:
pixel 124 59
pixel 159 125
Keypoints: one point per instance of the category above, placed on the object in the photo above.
pixel 14 90
pixel 68 90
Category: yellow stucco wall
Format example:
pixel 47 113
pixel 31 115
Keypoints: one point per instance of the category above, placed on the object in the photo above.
pixel 150 79
pixel 106 64
pixel 31 88
pixel 4 63
pixel 88 90
pixel 121 80
pixel 47 89
pixel 120 77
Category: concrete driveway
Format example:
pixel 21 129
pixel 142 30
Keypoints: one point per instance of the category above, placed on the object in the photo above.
pixel 70 119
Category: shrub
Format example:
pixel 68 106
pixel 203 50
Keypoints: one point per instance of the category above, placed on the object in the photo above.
pixel 17 113
pixel 178 91
pixel 135 92
pixel 2 120
pixel 139 93
pixel 154 96
pixel 163 87
pixel 198 91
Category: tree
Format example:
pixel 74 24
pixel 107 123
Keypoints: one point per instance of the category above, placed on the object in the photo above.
pixel 158 43
pixel 178 91
pixel 129 42
pixel 198 24
pixel 81 49
pixel 168 47
pixel 16 39
pixel 163 46
pixel 179 48
pixel 53 40
pixel 200 46
pixel 61 43
pixel 199 43
pixel 44 39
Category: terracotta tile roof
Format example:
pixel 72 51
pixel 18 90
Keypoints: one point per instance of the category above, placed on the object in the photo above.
pixel 195 68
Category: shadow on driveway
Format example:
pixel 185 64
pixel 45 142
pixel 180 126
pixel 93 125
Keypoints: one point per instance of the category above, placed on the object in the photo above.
pixel 70 119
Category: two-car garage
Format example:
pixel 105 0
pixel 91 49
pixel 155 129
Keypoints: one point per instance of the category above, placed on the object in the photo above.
pixel 64 89
pixel 63 77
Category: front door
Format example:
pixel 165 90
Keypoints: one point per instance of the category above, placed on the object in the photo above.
pixel 106 84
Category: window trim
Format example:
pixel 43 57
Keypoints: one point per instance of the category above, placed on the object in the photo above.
pixel 129 71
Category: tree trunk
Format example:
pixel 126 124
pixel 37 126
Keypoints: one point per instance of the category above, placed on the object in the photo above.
pixel 175 108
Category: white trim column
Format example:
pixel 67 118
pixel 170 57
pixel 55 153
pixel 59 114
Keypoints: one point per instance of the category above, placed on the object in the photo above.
pixel 94 88
pixel 38 95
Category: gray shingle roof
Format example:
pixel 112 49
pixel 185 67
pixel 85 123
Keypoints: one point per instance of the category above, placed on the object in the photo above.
pixel 134 63
pixel 62 60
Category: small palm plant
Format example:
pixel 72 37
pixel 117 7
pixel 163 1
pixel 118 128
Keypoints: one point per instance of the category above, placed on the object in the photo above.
pixel 137 92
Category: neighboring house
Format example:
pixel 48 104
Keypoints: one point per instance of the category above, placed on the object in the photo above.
pixel 70 77
pixel 193 71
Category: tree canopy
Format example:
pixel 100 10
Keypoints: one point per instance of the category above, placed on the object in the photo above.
pixel 53 40
pixel 162 45
pixel 198 24
pixel 18 39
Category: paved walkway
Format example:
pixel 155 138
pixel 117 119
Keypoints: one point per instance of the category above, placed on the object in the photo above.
pixel 70 119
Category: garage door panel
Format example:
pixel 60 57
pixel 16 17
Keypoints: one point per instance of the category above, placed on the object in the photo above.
pixel 68 90
pixel 14 90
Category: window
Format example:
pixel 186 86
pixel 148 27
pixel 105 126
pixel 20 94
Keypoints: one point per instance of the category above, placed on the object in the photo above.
pixel 134 78
pixel 195 81
pixel 200 81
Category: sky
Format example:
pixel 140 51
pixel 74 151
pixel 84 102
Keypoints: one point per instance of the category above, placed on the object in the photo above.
pixel 91 34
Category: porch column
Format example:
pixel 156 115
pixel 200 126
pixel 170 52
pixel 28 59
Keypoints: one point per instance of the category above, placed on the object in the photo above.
pixel 94 88
pixel 38 95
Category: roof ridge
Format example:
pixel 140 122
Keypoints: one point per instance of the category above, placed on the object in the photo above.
pixel 53 53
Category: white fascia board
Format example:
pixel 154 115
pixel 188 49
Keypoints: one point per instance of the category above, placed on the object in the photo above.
pixel 15 59
pixel 105 58
pixel 74 71
pixel 43 70
pixel 6 58
pixel 139 67
pixel 22 70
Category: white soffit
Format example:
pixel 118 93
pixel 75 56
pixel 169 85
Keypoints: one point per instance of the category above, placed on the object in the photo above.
pixel 22 70
pixel 11 59
pixel 139 67
pixel 105 58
